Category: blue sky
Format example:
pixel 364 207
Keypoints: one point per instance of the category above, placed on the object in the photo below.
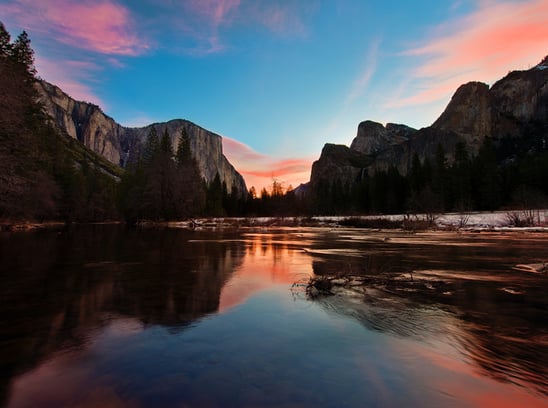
pixel 277 79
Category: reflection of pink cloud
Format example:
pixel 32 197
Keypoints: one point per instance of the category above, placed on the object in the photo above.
pixel 102 26
pixel 453 375
pixel 266 263
pixel 260 170
pixel 483 46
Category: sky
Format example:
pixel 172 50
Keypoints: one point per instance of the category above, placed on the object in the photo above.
pixel 277 79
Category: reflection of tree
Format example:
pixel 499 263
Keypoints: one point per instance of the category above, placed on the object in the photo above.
pixel 58 286
pixel 503 334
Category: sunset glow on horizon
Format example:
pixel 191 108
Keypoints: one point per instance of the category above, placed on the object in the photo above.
pixel 277 79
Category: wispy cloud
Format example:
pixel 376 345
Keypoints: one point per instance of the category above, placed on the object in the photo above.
pixel 205 23
pixel 102 26
pixel 259 170
pixel 499 36
pixel 203 19
pixel 283 18
pixel 358 87
pixel 216 11
pixel 362 81
pixel 72 77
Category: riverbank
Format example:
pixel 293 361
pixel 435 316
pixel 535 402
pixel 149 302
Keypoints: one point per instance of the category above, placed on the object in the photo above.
pixel 515 220
pixel 471 221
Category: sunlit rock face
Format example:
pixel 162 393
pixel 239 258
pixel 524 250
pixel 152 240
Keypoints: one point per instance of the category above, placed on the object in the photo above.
pixel 83 121
pixel 88 124
pixel 514 111
pixel 206 148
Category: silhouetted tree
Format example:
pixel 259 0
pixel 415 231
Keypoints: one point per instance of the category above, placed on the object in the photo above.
pixel 5 42
pixel 23 54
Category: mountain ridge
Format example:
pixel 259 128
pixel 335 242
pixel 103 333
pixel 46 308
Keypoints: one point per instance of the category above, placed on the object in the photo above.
pixel 98 131
pixel 514 108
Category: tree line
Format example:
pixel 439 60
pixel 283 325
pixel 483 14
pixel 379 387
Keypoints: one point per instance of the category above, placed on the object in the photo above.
pixel 163 184
pixel 497 177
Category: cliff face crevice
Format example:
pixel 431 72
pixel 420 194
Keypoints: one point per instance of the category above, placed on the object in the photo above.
pixel 88 124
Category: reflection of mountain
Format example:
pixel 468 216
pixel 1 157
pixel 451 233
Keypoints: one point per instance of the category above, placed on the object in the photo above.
pixel 497 320
pixel 56 286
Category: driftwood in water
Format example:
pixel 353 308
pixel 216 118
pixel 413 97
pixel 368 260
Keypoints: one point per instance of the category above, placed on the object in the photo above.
pixel 358 284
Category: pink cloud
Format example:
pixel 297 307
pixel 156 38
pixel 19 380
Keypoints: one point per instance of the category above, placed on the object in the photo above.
pixel 71 76
pixel 260 170
pixel 200 22
pixel 498 37
pixel 102 26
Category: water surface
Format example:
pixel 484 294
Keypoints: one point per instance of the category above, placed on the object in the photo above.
pixel 108 316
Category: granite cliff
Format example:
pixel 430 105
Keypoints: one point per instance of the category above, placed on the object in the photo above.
pixel 513 112
pixel 88 124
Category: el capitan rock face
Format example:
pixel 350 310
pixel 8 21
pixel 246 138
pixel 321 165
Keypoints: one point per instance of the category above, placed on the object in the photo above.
pixel 515 107
pixel 207 149
pixel 88 124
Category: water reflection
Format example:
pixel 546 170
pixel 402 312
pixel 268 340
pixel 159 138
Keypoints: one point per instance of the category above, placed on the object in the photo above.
pixel 493 315
pixel 106 316
pixel 60 286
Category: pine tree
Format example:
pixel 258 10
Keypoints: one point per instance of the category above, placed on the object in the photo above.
pixel 214 202
pixel 5 42
pixel 184 154
pixel 151 148
pixel 23 54
pixel 165 145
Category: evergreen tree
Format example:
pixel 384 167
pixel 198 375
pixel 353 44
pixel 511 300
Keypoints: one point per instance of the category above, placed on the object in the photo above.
pixel 166 148
pixel 151 148
pixel 184 154
pixel 22 53
pixel 191 194
pixel 5 42
pixel 214 201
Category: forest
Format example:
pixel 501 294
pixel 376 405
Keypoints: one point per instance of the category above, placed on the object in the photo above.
pixel 498 177
pixel 47 175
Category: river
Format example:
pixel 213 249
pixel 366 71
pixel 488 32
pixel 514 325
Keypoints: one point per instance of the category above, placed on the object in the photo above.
pixel 109 316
